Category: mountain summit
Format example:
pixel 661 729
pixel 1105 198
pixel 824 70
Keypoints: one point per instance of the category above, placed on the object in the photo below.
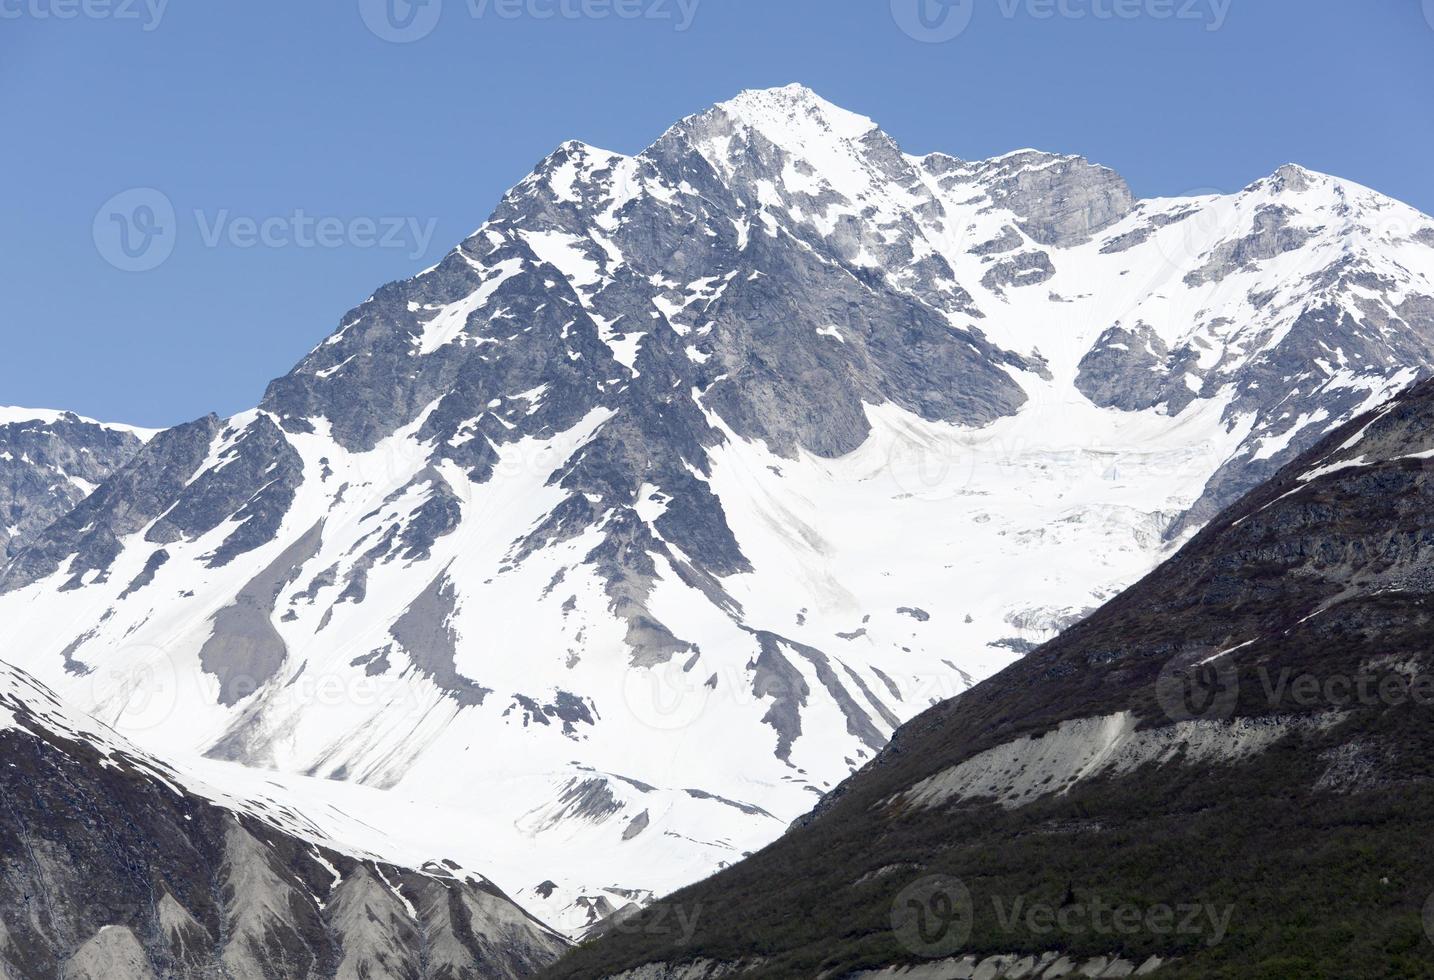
pixel 665 497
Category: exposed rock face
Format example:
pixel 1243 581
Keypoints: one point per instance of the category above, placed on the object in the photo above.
pixel 1263 696
pixel 49 462
pixel 635 484
pixel 117 869
pixel 134 499
pixel 245 650
pixel 112 954
pixel 1061 201
pixel 1023 269
pixel 1132 369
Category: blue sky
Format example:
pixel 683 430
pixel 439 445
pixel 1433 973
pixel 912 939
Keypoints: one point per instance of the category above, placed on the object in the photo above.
pixel 401 138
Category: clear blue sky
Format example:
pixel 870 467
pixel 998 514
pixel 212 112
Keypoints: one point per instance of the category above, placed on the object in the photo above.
pixel 263 108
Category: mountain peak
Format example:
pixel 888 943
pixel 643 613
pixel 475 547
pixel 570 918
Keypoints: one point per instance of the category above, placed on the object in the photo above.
pixel 1296 179
pixel 794 110
pixel 1293 177
pixel 573 153
pixel 578 147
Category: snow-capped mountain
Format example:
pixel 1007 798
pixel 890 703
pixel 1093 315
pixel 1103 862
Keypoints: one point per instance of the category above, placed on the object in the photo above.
pixel 50 461
pixel 595 554
pixel 119 866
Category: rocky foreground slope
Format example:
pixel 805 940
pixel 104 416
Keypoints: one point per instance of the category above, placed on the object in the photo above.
pixel 1225 772
pixel 114 866
pixel 666 496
